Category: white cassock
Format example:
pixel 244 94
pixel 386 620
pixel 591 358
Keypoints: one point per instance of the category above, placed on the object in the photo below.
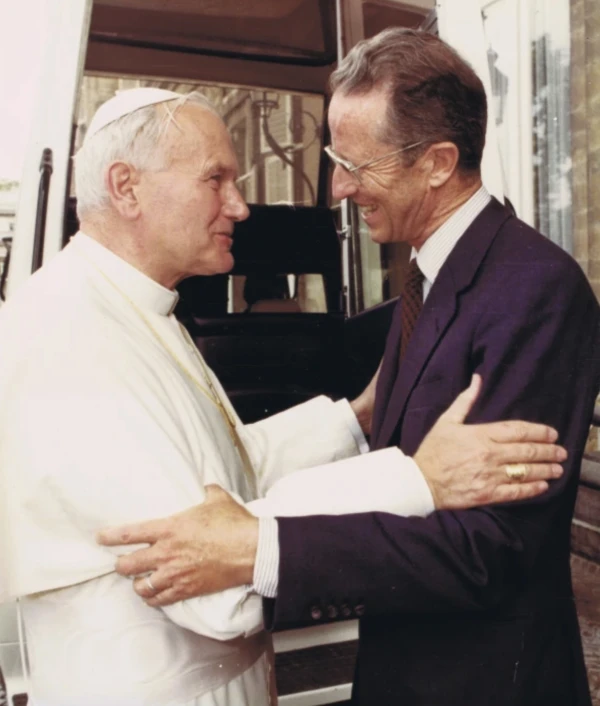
pixel 100 426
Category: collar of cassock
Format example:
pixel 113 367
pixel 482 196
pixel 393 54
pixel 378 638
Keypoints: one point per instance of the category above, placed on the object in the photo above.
pixel 141 289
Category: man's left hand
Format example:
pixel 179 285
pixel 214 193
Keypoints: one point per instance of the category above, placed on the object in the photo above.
pixel 205 549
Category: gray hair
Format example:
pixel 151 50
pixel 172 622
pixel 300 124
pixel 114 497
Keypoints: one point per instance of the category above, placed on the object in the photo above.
pixel 435 96
pixel 134 138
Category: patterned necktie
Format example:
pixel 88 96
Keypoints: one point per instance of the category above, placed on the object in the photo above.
pixel 411 303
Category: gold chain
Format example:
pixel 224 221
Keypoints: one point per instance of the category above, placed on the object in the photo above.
pixel 210 393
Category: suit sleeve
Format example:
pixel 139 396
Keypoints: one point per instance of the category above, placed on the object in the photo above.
pixel 536 348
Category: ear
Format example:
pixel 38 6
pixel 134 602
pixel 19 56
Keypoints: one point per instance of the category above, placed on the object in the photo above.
pixel 121 183
pixel 442 162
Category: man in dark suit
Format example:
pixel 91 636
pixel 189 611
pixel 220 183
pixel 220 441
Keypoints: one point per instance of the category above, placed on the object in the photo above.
pixel 466 607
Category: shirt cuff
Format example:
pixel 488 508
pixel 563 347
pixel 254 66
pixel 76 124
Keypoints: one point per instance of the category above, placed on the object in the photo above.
pixel 421 491
pixel 351 421
pixel 266 566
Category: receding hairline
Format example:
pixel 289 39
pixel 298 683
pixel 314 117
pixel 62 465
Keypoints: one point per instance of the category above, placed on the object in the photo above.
pixel 382 88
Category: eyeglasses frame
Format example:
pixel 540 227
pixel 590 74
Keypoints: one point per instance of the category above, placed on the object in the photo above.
pixel 353 169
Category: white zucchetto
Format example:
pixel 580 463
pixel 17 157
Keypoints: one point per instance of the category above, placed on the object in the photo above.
pixel 126 102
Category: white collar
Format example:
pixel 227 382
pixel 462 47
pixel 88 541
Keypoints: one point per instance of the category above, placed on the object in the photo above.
pixel 141 289
pixel 439 245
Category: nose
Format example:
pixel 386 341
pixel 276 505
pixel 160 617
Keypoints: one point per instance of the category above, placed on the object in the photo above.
pixel 343 184
pixel 235 207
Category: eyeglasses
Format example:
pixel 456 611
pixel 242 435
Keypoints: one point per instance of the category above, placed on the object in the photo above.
pixel 353 169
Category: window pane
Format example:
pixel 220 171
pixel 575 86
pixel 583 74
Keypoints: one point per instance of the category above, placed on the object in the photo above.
pixel 9 191
pixel 530 69
pixel 551 121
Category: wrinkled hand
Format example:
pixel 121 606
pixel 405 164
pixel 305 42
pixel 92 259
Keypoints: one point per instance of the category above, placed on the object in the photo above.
pixel 465 464
pixel 363 405
pixel 205 549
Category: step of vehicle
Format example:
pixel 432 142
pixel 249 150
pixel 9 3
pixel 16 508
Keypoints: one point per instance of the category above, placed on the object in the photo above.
pixel 315 667
pixel 585 531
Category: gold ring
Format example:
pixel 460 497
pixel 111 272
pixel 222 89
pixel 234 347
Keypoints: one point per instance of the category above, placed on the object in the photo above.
pixel 516 472
pixel 150 584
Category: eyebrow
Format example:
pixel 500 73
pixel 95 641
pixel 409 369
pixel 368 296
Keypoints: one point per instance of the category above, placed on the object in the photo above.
pixel 215 166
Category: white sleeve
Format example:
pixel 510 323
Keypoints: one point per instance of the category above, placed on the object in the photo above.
pixel 310 434
pixel 222 616
pixel 380 481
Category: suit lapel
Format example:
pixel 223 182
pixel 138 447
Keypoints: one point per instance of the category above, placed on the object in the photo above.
pixel 439 310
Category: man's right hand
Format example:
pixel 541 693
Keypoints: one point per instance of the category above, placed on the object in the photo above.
pixel 465 464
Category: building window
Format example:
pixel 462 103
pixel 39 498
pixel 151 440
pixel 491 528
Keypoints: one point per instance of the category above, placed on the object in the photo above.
pixel 530 56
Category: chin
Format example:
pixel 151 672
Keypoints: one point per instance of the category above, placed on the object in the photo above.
pixel 380 237
pixel 219 266
pixel 224 265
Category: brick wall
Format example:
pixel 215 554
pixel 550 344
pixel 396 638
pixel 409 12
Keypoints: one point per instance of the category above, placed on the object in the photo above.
pixel 585 127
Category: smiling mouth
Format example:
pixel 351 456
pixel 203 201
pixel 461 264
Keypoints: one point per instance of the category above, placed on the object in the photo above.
pixel 367 210
pixel 227 239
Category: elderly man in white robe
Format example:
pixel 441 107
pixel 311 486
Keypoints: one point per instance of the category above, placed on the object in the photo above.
pixel 110 415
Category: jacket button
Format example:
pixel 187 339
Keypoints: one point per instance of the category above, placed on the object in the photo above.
pixel 332 612
pixel 316 613
pixel 359 610
pixel 345 610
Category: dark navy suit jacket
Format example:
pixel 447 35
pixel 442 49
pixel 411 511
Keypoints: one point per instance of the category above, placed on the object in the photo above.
pixel 470 607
